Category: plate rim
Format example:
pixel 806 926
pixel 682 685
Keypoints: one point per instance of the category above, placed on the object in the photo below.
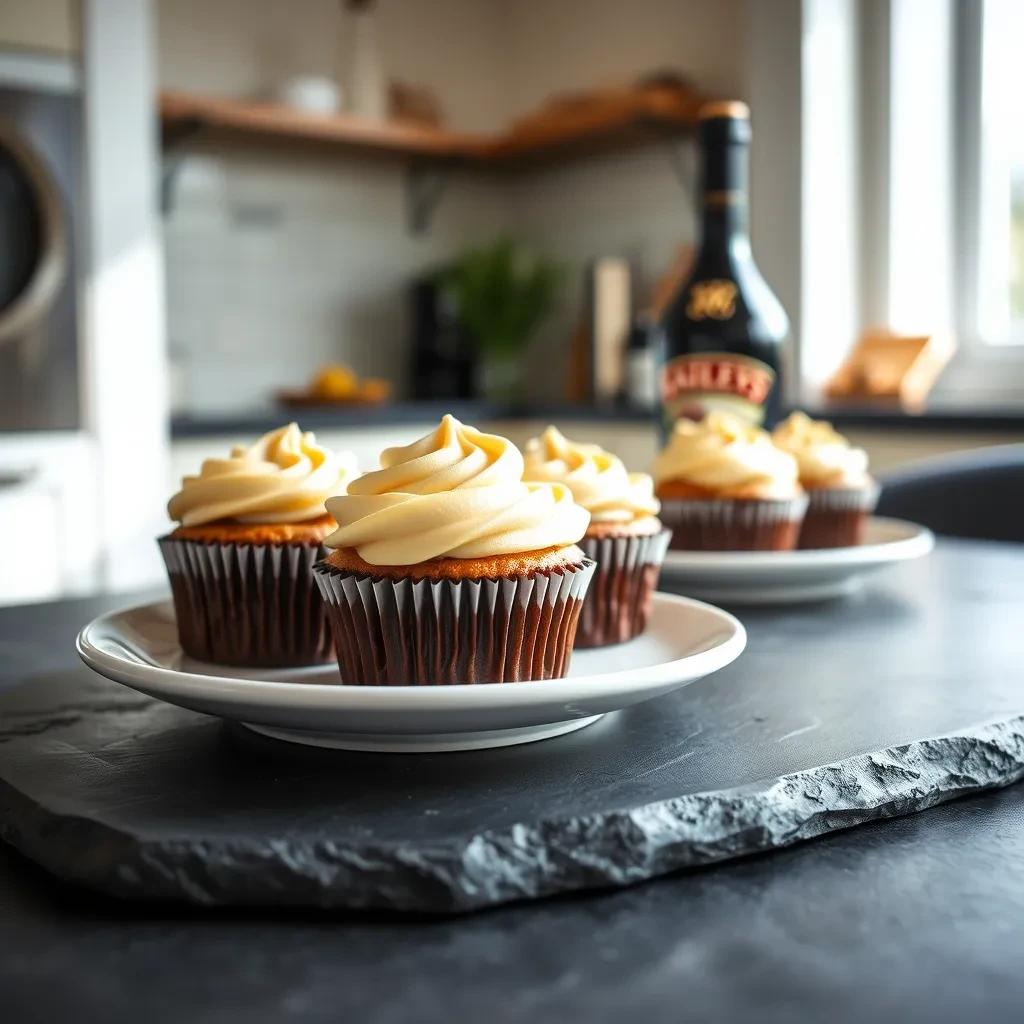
pixel 409 698
pixel 919 542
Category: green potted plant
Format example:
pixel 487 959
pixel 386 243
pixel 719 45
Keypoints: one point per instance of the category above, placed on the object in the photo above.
pixel 502 293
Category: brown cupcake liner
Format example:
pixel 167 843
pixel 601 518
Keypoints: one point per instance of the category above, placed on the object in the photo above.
pixel 618 603
pixel 404 632
pixel 251 605
pixel 836 517
pixel 738 524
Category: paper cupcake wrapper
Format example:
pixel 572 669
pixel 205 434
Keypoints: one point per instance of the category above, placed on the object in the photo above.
pixel 843 499
pixel 738 524
pixel 403 632
pixel 836 517
pixel 618 603
pixel 253 605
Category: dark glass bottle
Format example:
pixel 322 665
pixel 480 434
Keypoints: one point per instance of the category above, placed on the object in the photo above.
pixel 640 386
pixel 722 336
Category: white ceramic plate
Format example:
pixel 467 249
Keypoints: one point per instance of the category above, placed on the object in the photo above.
pixel 785 577
pixel 685 641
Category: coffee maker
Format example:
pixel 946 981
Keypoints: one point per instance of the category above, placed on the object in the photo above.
pixel 444 364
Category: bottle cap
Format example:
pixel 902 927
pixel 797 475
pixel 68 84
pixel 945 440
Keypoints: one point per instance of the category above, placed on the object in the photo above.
pixel 736 109
pixel 724 123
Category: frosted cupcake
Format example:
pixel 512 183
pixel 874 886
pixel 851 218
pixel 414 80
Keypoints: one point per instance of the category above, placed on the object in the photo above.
pixel 251 527
pixel 835 476
pixel 447 568
pixel 724 486
pixel 625 536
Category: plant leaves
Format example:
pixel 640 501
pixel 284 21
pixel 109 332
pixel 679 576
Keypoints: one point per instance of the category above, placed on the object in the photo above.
pixel 502 292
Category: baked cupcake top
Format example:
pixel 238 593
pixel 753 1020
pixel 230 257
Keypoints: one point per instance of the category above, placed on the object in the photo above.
pixel 727 456
pixel 824 457
pixel 285 477
pixel 455 493
pixel 598 480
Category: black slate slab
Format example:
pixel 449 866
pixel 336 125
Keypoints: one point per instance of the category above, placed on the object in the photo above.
pixel 838 713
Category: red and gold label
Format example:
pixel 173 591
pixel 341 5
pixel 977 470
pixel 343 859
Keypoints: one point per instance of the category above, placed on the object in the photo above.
pixel 694 385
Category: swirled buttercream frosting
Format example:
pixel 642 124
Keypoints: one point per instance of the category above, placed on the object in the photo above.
pixel 725 454
pixel 598 480
pixel 456 493
pixel 285 477
pixel 824 456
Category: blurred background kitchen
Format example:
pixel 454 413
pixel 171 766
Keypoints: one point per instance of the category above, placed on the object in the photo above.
pixel 217 215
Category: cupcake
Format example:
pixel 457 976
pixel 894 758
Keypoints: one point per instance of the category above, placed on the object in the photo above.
pixel 447 568
pixel 251 527
pixel 835 476
pixel 625 536
pixel 724 486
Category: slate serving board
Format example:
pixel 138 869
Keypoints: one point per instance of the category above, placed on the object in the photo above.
pixel 883 704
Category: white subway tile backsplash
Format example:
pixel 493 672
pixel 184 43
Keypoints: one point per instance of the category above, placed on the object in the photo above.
pixel 306 255
pixel 282 263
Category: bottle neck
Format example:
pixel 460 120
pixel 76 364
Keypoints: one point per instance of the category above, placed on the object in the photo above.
pixel 724 196
pixel 724 228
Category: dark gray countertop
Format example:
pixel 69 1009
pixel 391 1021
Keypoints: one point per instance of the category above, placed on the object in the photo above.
pixel 255 421
pixel 915 918
pixel 396 413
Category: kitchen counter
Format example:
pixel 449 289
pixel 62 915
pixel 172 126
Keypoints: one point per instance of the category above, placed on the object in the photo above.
pixel 915 918
pixel 397 414
pixel 257 421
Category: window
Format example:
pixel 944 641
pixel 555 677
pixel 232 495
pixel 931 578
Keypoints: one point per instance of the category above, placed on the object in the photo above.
pixel 911 185
pixel 991 75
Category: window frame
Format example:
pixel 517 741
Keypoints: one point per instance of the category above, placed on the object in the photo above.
pixel 982 367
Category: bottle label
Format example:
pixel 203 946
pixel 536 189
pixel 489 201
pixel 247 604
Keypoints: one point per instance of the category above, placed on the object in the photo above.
pixel 703 382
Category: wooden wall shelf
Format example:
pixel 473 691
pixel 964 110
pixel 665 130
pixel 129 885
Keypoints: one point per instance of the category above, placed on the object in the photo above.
pixel 612 121
pixel 182 114
pixel 563 130
pixel 615 121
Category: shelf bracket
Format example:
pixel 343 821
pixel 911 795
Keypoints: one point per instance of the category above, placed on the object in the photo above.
pixel 172 157
pixel 425 184
pixel 680 156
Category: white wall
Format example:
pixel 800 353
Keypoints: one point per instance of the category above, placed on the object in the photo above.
pixel 561 45
pixel 47 25
pixel 773 37
pixel 248 47
pixel 278 260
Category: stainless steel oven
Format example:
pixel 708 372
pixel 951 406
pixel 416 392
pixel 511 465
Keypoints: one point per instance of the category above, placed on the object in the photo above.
pixel 42 444
pixel 39 214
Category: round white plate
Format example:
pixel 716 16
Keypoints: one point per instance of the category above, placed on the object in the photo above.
pixel 685 641
pixel 785 577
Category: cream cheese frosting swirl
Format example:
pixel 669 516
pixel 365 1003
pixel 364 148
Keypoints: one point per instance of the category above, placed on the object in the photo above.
pixel 824 456
pixel 285 477
pixel 598 480
pixel 456 493
pixel 723 453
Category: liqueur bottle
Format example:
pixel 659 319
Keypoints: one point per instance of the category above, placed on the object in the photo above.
pixel 722 336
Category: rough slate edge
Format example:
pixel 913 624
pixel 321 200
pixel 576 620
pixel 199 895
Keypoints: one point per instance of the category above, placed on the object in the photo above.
pixel 526 861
